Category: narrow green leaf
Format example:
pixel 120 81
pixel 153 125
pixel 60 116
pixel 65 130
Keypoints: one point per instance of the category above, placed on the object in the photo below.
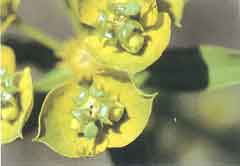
pixel 223 65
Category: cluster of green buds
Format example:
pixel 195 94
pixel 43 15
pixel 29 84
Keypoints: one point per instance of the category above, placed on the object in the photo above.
pixel 94 110
pixel 8 91
pixel 119 25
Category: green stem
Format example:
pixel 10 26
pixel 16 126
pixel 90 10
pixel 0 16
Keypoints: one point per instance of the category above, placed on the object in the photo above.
pixel 72 13
pixel 34 33
pixel 75 24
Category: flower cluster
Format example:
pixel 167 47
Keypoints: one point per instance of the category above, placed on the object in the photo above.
pixel 95 105
pixel 16 95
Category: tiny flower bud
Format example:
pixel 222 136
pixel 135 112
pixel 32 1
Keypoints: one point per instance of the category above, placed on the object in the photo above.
pixel 130 36
pixel 116 114
pixel 135 43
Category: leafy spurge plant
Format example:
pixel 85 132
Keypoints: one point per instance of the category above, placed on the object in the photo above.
pixel 92 102
pixel 105 55
pixel 102 107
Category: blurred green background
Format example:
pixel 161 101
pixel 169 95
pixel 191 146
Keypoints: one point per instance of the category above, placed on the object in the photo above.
pixel 189 126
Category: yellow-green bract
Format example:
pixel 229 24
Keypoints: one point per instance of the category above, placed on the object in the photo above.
pixel 55 119
pixel 16 97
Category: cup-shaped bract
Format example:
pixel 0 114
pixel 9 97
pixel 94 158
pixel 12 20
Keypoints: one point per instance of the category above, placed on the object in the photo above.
pixel 116 40
pixel 107 113
pixel 16 92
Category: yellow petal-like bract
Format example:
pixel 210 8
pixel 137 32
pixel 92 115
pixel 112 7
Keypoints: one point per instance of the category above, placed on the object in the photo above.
pixel 112 57
pixel 11 130
pixel 16 91
pixel 55 119
pixel 122 38
pixel 155 27
pixel 7 59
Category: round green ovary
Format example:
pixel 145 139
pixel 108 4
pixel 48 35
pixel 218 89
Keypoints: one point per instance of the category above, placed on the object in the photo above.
pixel 130 36
pixel 116 114
pixel 134 44
pixel 118 26
pixel 93 107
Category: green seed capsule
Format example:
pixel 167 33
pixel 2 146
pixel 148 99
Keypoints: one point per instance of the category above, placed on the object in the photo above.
pixel 130 37
pixel 128 28
pixel 9 113
pixel 90 130
pixel 135 44
pixel 98 106
pixel 116 114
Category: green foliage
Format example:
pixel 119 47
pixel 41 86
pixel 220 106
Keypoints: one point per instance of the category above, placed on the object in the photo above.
pixel 204 68
pixel 223 66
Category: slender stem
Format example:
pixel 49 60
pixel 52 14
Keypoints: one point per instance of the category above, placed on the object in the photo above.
pixel 34 33
pixel 75 23
pixel 72 6
pixel 5 24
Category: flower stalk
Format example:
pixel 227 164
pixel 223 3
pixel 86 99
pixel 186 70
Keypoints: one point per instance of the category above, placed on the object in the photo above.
pixel 39 36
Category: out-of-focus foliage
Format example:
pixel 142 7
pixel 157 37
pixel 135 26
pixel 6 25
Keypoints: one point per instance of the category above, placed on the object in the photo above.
pixel 219 65
pixel 223 66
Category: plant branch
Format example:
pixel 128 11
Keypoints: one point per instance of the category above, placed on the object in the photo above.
pixel 72 6
pixel 39 36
